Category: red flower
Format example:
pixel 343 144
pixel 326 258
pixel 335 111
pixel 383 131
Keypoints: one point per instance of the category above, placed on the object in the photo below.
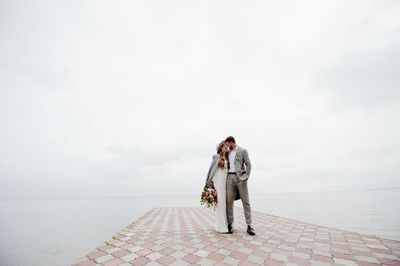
pixel 209 196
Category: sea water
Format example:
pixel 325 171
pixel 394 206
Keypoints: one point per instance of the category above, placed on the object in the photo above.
pixel 59 231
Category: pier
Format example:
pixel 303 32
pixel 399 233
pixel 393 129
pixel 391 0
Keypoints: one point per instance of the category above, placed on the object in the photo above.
pixel 186 236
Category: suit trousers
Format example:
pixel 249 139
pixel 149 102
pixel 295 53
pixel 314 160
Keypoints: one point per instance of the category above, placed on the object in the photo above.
pixel 233 183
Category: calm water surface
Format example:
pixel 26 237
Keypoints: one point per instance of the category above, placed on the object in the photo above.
pixel 58 231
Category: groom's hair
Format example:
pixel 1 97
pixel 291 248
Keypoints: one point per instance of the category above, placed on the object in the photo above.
pixel 230 139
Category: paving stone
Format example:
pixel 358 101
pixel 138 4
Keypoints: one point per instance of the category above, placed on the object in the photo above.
pixel 186 236
pixel 97 254
pixel 202 253
pixel 178 254
pixel 135 249
pixel 301 255
pixel 153 263
pixel 224 252
pixel 112 250
pixel 318 263
pixel 344 262
pixel 166 260
pixel 245 250
pixel 86 263
pixel 298 261
pixel 385 256
pixel 280 257
pixel 104 258
pixel 205 262
pixel 113 262
pixel 367 259
pixel 154 256
pixel 231 261
pixel 255 259
pixel 129 257
pixel 179 263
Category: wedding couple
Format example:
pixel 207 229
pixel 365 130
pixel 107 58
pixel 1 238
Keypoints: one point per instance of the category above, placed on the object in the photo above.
pixel 229 171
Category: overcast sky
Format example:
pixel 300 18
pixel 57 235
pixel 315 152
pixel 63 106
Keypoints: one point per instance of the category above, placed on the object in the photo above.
pixel 131 97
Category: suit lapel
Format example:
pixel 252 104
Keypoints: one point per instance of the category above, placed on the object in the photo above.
pixel 238 150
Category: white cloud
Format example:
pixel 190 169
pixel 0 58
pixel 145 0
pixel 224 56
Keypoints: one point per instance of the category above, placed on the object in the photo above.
pixel 132 97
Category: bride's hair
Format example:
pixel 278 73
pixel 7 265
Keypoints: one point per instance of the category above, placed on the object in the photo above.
pixel 221 163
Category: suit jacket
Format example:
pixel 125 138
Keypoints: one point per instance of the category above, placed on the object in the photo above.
pixel 242 163
pixel 213 169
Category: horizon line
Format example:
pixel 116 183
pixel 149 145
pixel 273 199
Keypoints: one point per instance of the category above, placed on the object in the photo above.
pixel 191 195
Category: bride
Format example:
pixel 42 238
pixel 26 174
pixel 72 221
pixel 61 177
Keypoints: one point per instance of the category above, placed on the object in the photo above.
pixel 217 174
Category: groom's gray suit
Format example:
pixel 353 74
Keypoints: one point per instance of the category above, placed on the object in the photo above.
pixel 237 181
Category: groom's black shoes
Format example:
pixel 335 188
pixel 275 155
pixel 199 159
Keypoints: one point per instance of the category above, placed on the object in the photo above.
pixel 250 231
pixel 230 229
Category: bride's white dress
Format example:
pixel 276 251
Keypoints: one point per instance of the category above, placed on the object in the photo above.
pixel 219 179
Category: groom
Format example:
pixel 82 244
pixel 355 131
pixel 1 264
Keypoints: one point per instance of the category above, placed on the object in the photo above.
pixel 238 174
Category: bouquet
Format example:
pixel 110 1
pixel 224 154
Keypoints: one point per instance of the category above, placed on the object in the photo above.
pixel 209 196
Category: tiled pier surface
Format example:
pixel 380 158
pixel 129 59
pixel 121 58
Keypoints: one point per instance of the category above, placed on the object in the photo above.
pixel 186 236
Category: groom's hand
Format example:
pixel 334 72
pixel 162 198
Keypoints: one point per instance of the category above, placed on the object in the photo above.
pixel 245 177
